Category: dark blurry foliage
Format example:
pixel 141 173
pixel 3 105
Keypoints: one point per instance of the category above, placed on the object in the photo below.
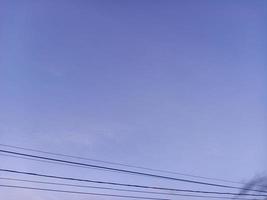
pixel 259 184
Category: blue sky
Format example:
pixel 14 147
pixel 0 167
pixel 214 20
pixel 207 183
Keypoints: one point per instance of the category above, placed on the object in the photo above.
pixel 177 85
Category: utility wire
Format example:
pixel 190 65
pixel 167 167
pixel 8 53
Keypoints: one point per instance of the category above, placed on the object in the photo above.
pixel 46 161
pixel 118 184
pixel 108 195
pixel 123 170
pixel 121 164
pixel 84 193
pixel 130 190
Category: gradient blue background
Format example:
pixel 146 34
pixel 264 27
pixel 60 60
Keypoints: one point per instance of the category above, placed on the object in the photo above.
pixel 177 85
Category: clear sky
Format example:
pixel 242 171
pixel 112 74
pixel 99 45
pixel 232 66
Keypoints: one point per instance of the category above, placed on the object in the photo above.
pixel 177 85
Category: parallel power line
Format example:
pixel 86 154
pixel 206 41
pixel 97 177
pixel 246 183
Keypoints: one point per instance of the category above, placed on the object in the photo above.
pixel 117 183
pixel 84 193
pixel 121 164
pixel 105 194
pixel 125 171
pixel 44 161
pixel 131 190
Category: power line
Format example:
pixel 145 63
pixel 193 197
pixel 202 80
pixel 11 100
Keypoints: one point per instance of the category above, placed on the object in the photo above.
pixel 46 161
pixel 119 184
pixel 107 195
pixel 84 193
pixel 120 164
pixel 129 190
pixel 122 170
